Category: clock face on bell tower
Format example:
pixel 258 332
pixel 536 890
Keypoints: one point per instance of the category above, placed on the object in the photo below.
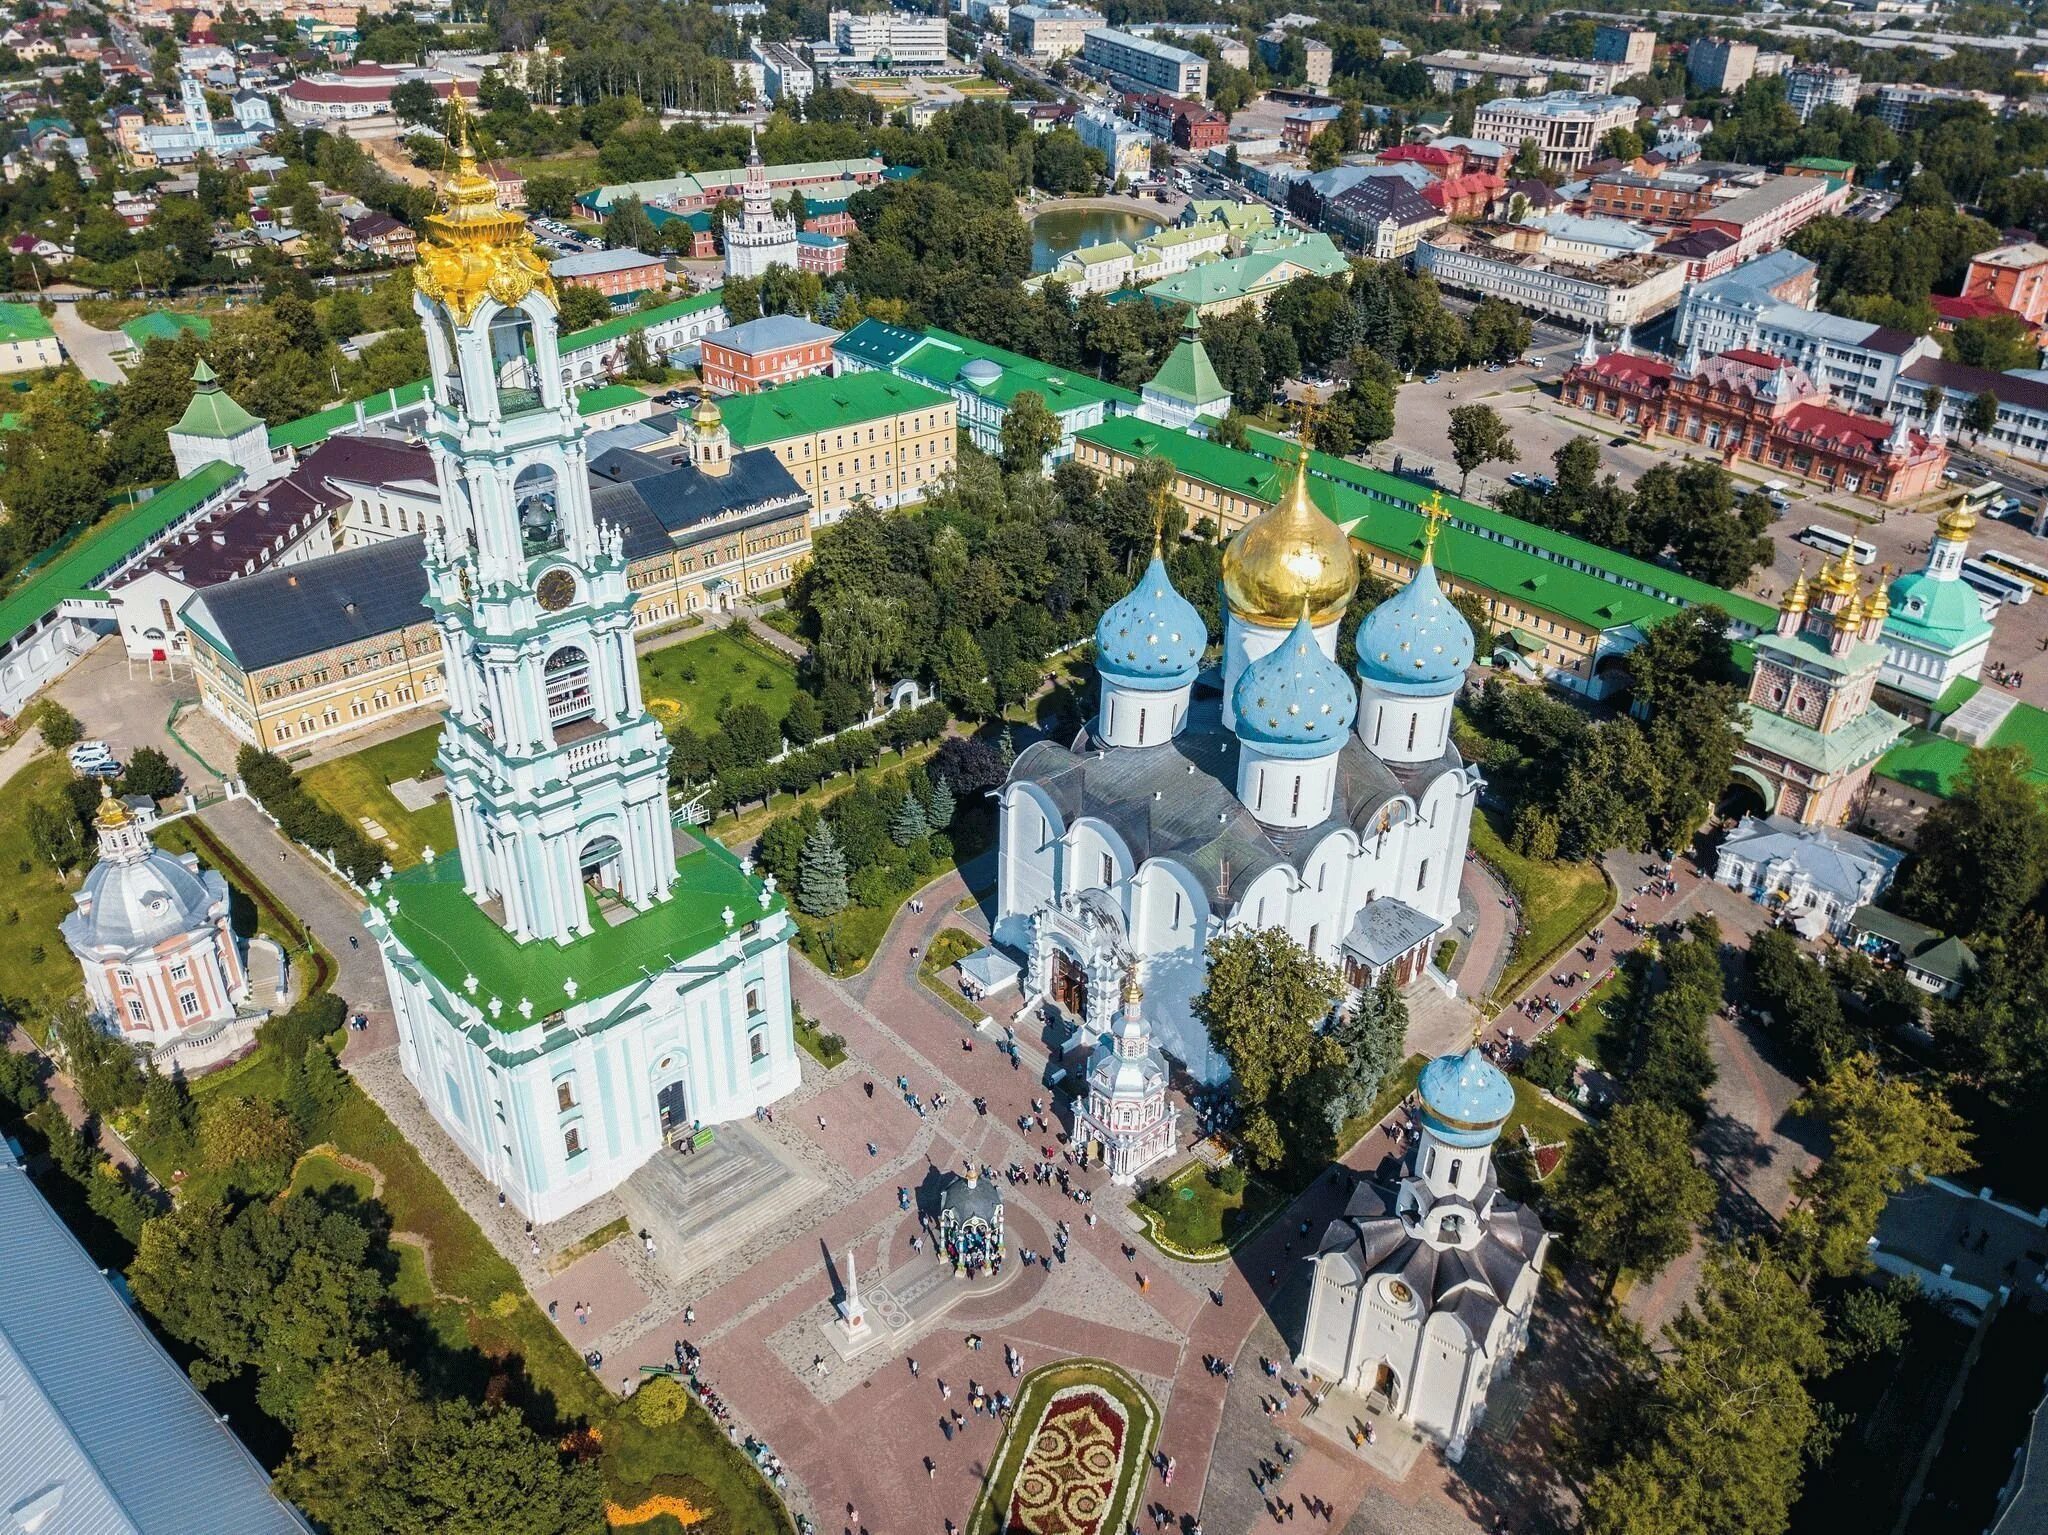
pixel 556 591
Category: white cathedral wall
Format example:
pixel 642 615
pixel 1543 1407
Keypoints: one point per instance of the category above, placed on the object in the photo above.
pixel 1028 862
pixel 698 1034
pixel 1446 1367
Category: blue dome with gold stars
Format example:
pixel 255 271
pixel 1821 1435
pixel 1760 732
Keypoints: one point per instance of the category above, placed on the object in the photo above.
pixel 1294 701
pixel 1416 641
pixel 1152 639
pixel 1465 1099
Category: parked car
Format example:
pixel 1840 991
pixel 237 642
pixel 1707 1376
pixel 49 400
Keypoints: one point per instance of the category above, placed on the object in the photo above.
pixel 94 759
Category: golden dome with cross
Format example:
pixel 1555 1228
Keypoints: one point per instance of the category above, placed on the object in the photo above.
pixel 1289 554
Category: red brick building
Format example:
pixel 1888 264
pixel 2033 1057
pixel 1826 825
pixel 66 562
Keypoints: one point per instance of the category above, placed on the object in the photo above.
pixel 616 274
pixel 763 353
pixel 2015 277
pixel 1438 162
pixel 1753 406
pixel 1625 195
pixel 1464 197
pixel 820 253
pixel 1188 123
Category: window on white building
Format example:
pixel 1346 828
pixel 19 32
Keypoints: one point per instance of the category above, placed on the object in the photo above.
pixel 181 971
pixel 757 1045
pixel 188 1004
pixel 1422 876
pixel 565 1093
pixel 572 1141
pixel 754 1004
pixel 135 1009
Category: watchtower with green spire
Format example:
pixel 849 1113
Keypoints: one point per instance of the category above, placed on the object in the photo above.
pixel 1185 393
pixel 215 430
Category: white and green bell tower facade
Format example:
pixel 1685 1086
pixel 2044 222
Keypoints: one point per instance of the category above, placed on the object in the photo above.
pixel 580 983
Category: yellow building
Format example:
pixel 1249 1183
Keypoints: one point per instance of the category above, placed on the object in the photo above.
pixel 869 435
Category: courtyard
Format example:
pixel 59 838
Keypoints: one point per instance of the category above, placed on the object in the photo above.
pixel 695 681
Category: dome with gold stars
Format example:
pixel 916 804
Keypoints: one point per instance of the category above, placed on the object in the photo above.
pixel 1288 554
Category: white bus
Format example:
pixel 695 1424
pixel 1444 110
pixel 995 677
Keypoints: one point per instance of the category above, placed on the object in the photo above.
pixel 1993 582
pixel 1831 543
pixel 2020 568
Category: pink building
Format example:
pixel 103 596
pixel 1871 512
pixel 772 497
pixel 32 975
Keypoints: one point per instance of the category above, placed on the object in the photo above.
pixel 151 933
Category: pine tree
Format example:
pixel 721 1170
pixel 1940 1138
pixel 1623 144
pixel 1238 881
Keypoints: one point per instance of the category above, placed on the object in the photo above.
pixel 908 823
pixel 1006 748
pixel 939 810
pixel 821 873
pixel 1372 1035
pixel 167 1107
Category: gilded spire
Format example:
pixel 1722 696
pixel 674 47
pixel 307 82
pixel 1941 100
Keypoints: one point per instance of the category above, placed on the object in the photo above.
pixel 1878 604
pixel 1797 599
pixel 474 249
pixel 1851 612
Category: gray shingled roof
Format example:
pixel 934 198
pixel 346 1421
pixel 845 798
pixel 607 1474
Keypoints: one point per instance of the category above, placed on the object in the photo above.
pixel 339 599
pixel 679 496
pixel 1179 799
pixel 97 1414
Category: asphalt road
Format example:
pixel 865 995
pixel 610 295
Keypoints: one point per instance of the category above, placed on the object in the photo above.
pixel 93 350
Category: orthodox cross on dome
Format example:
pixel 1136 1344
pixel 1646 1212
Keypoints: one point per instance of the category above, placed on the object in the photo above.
pixel 1435 514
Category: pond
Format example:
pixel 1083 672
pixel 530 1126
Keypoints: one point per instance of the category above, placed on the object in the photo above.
pixel 1065 229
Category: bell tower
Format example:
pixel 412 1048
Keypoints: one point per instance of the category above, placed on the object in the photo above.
pixel 556 772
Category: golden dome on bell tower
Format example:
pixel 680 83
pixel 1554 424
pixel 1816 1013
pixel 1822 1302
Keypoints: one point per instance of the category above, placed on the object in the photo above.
pixel 475 249
pixel 1957 521
pixel 1287 555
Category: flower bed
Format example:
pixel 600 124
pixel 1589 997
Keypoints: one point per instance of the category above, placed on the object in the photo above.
pixel 1074 1459
pixel 1069 1473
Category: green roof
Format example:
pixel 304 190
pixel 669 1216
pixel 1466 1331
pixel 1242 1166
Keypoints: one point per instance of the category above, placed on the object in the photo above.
pixel 1095 255
pixel 1823 163
pixel 1395 529
pixel 1951 618
pixel 77 569
pixel 821 404
pixel 212 411
pixel 640 319
pixel 1934 763
pixel 23 322
pixel 607 397
pixel 1850 745
pixel 164 325
pixel 454 938
pixel 1559 548
pixel 1801 647
pixel 310 431
pixel 1188 376
pixel 939 356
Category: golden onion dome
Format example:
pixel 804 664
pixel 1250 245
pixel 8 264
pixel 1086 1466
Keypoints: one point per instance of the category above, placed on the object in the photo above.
pixel 707 418
pixel 1850 614
pixel 474 249
pixel 1878 604
pixel 1287 555
pixel 1838 579
pixel 1957 521
pixel 1796 599
pixel 111 813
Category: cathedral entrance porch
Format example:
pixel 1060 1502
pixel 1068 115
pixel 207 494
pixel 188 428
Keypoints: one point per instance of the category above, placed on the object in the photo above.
pixel 704 1205
pixel 1069 984
pixel 671 1104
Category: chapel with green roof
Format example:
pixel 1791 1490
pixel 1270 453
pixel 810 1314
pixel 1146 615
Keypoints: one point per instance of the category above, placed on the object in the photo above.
pixel 1185 393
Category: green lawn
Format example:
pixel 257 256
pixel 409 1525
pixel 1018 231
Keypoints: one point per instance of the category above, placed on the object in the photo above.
pixel 950 947
pixel 1559 902
pixel 1592 1033
pixel 694 683
pixel 359 785
pixel 36 970
pixel 694 1461
pixel 1200 1221
pixel 317 1170
pixel 991 1514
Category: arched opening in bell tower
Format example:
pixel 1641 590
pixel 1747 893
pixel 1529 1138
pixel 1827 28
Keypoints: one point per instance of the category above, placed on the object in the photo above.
pixel 512 361
pixel 535 494
pixel 567 675
pixel 598 863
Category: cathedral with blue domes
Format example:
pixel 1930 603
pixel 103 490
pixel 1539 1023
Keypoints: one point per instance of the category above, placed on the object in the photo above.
pixel 1269 790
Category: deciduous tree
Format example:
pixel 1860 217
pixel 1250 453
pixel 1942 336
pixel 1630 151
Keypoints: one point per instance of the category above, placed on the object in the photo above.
pixel 1632 1195
pixel 1264 998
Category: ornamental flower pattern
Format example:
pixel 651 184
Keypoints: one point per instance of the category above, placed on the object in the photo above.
pixel 1068 1481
